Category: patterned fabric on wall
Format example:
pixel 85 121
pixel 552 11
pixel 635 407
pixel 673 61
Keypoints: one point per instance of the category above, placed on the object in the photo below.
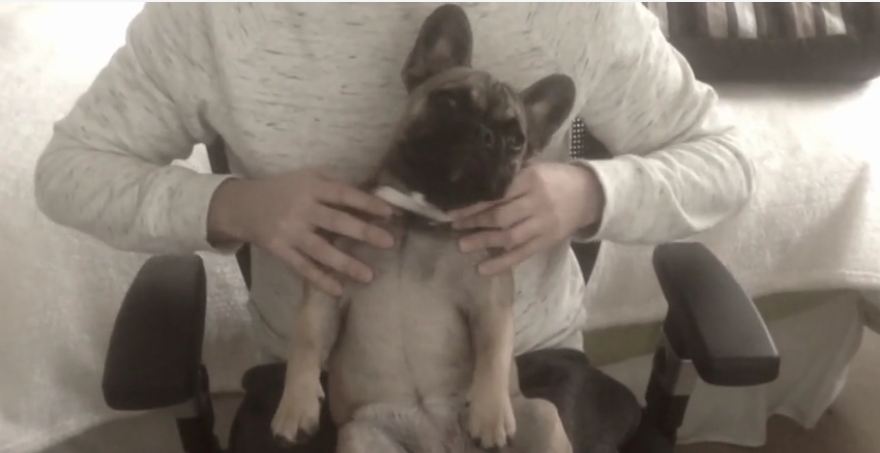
pixel 775 41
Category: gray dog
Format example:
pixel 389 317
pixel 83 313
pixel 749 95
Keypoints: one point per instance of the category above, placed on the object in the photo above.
pixel 421 359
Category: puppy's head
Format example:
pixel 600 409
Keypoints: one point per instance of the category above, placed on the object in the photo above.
pixel 464 134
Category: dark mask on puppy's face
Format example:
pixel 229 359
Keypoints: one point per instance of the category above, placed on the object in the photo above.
pixel 464 134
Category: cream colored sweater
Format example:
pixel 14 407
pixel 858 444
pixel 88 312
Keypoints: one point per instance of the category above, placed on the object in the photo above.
pixel 293 85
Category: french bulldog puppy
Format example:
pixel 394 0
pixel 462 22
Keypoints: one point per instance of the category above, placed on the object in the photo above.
pixel 421 359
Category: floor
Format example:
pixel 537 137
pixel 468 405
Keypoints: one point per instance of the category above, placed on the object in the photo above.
pixel 850 426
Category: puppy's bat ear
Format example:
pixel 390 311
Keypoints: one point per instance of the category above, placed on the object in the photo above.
pixel 445 41
pixel 547 103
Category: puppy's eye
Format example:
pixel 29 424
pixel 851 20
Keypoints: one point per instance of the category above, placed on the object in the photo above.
pixel 514 141
pixel 444 99
pixel 486 136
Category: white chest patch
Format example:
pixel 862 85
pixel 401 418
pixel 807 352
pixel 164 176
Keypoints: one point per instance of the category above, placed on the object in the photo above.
pixel 413 202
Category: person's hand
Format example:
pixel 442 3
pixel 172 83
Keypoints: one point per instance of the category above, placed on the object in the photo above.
pixel 545 204
pixel 285 214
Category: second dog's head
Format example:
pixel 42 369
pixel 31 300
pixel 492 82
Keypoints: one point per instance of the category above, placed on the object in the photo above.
pixel 464 134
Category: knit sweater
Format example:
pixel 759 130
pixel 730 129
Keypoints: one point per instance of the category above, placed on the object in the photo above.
pixel 296 85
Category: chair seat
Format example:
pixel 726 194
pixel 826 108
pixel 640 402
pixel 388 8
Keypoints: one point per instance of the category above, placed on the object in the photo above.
pixel 598 413
pixel 251 430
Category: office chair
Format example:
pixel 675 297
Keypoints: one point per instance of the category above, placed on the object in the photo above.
pixel 712 331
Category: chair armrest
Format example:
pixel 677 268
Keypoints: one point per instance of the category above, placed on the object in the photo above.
pixel 155 349
pixel 711 320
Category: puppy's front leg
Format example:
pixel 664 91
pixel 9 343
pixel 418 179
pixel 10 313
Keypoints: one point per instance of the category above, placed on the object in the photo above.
pixel 491 419
pixel 315 329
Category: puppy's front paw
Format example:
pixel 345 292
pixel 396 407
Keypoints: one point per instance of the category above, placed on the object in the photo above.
pixel 299 411
pixel 491 421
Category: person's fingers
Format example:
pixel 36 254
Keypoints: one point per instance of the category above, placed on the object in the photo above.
pixel 346 224
pixel 510 259
pixel 502 216
pixel 507 239
pixel 308 270
pixel 340 194
pixel 318 249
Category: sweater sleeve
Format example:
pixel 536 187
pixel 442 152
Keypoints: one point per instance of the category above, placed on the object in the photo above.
pixel 678 168
pixel 107 170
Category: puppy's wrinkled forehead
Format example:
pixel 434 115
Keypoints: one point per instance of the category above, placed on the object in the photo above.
pixel 487 96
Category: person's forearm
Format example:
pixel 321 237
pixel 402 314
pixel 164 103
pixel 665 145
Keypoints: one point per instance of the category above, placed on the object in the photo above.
pixel 678 168
pixel 108 169
pixel 676 192
pixel 593 198
pixel 224 214
pixel 125 202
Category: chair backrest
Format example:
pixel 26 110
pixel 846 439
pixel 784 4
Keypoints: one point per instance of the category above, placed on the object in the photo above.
pixel 583 145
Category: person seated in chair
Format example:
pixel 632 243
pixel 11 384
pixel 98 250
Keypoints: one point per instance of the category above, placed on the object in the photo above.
pixel 305 98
